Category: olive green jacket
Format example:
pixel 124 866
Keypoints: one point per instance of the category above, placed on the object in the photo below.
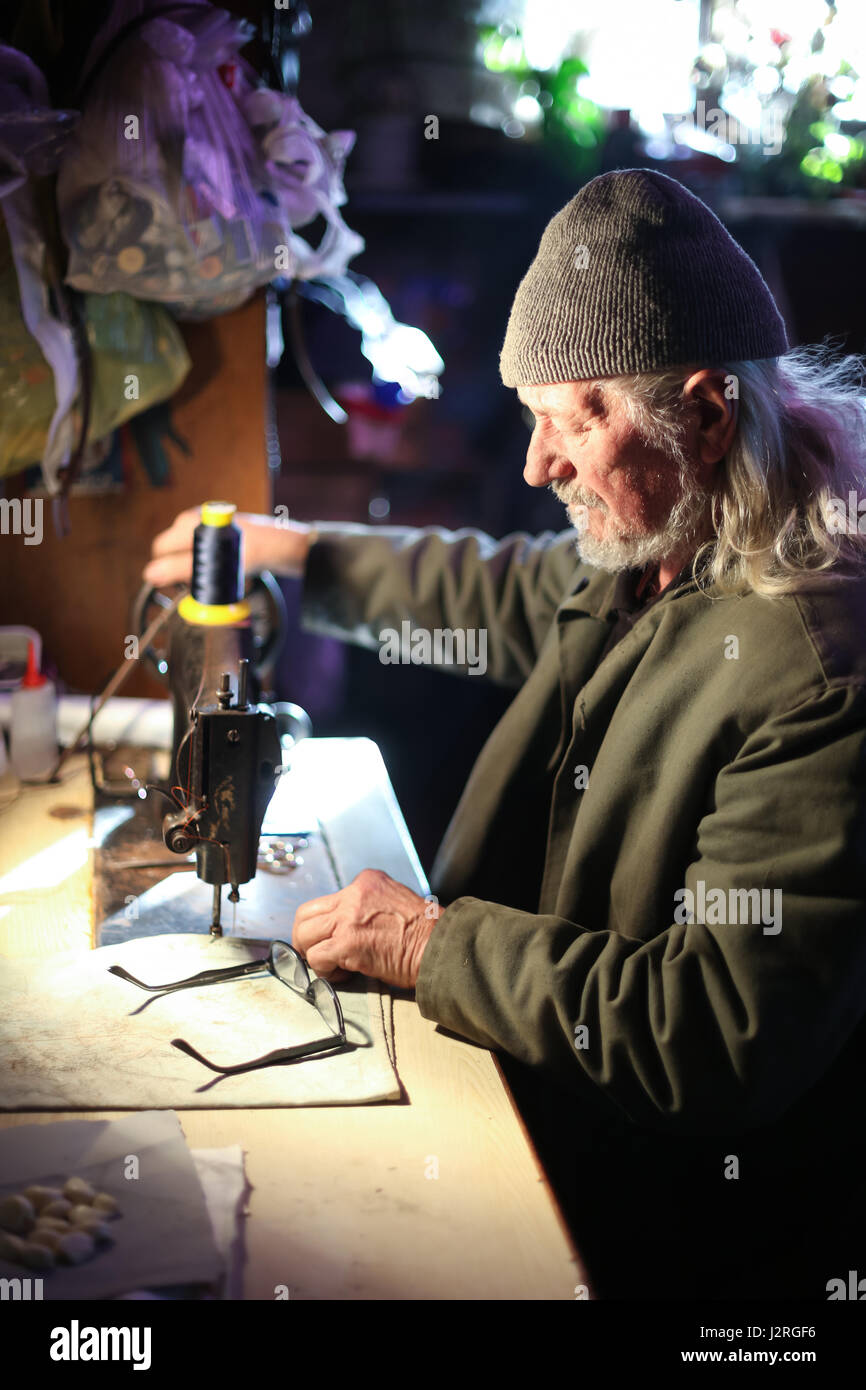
pixel 723 744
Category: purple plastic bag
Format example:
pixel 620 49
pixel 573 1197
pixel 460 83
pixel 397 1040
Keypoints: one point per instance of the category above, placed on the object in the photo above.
pixel 162 191
pixel 185 180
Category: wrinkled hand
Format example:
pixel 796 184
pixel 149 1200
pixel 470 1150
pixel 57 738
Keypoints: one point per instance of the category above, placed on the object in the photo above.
pixel 374 926
pixel 266 546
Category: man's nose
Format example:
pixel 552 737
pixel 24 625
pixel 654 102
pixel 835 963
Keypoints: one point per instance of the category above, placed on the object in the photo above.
pixel 545 464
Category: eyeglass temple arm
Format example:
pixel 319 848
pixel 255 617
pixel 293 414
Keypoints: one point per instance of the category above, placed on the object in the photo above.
pixel 205 977
pixel 283 1054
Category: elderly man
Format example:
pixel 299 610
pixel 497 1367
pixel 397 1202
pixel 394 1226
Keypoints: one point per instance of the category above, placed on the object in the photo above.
pixel 650 899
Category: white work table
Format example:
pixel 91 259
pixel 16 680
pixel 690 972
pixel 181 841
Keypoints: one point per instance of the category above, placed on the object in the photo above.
pixel 344 1203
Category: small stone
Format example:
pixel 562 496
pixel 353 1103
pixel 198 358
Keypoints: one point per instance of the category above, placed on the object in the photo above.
pixel 78 1190
pixel 11 1247
pixel 37 1256
pixel 87 1219
pixel 17 1215
pixel 41 1196
pixel 50 1223
pixel 100 1231
pixel 107 1204
pixel 81 1214
pixel 43 1236
pixel 76 1247
pixel 60 1209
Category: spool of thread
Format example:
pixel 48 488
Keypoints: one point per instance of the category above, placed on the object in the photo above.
pixel 217 572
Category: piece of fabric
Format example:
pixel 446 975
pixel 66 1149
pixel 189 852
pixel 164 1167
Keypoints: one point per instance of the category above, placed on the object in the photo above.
pixel 724 740
pixel 163 1236
pixel 122 1047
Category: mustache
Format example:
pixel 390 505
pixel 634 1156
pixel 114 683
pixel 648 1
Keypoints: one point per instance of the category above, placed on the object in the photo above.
pixel 575 496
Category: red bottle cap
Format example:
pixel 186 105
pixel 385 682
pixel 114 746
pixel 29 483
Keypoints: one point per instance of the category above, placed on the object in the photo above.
pixel 31 676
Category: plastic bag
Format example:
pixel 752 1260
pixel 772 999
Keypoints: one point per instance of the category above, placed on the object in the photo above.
pixel 138 358
pixel 27 396
pixel 185 181
pixel 305 169
pixel 33 341
pixel 162 190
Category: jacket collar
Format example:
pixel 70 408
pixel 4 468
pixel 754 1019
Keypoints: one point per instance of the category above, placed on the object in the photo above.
pixel 595 593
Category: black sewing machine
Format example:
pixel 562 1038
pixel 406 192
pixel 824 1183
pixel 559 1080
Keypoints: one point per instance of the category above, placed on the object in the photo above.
pixel 234 757
pixel 227 748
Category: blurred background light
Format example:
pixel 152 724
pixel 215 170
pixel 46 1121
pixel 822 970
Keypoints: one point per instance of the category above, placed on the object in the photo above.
pixel 640 55
pixel 548 30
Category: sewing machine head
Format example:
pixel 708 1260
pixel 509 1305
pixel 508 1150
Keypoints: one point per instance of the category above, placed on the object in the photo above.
pixel 232 757
pixel 227 749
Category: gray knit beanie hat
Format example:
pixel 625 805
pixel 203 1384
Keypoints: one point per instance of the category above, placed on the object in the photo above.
pixel 636 274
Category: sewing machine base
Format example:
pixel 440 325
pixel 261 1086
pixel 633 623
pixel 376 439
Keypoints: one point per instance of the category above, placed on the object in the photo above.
pixel 333 814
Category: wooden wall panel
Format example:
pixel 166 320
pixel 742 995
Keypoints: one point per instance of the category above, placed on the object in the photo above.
pixel 77 591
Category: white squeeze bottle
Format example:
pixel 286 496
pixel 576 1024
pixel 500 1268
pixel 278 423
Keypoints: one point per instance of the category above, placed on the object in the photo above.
pixel 33 723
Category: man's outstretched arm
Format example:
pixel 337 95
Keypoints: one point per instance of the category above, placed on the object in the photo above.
pixel 361 581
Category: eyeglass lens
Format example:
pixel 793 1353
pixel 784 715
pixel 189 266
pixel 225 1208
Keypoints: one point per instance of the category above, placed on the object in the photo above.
pixel 291 970
pixel 325 1001
pixel 289 967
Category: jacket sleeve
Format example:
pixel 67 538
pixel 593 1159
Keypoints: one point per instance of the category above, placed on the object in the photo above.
pixel 707 1025
pixel 361 581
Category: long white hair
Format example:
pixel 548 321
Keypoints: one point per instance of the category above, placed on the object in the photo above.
pixel 783 488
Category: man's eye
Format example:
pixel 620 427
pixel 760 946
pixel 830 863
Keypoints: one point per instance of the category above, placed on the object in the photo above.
pixel 528 418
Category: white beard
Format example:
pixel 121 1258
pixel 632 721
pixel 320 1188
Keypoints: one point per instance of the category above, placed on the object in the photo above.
pixel 685 525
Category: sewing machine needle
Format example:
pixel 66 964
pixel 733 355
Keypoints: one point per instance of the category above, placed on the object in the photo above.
pixel 215 928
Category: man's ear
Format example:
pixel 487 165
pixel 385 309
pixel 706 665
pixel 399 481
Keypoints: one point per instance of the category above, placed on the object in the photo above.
pixel 717 412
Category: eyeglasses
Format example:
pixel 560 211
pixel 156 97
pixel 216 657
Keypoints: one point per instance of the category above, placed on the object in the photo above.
pixel 290 969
